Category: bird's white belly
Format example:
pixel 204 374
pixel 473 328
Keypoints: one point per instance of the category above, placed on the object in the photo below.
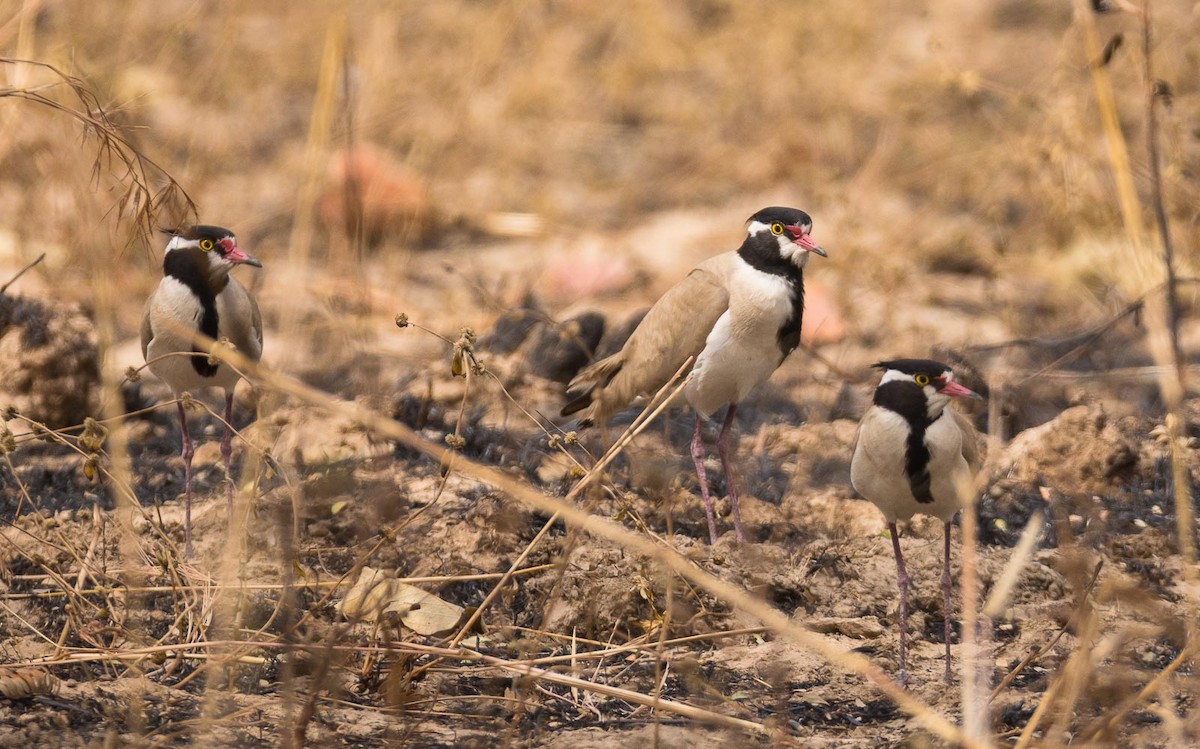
pixel 742 350
pixel 877 469
pixel 176 302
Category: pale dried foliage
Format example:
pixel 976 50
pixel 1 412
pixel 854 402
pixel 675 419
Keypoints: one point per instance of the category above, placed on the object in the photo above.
pixel 938 138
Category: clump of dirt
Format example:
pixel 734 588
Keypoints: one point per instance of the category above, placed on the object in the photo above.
pixel 49 363
pixel 1083 450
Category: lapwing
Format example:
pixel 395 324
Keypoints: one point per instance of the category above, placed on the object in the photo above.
pixel 197 295
pixel 737 314
pixel 913 455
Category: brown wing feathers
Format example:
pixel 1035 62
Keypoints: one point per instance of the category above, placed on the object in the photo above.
pixel 675 328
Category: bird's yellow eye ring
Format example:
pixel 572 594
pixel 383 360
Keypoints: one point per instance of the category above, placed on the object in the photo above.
pixel 777 228
pixel 922 379
pixel 206 244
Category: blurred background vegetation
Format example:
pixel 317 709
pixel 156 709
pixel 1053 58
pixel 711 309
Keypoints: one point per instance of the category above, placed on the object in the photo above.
pixel 917 134
pixel 446 159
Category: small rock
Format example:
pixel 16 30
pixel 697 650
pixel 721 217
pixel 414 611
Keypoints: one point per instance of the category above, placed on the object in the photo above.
pixel 372 192
pixel 559 351
pixel 858 628
pixel 510 330
pixel 822 321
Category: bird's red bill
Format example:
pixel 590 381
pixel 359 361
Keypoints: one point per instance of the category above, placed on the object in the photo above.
pixel 805 240
pixel 955 390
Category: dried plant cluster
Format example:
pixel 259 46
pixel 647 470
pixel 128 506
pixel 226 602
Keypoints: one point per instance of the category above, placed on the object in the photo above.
pixel 457 204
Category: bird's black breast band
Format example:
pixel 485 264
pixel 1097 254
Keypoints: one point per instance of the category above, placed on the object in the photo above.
pixel 187 271
pixel 908 400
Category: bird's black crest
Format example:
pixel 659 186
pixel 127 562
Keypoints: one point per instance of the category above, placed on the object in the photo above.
pixel 789 216
pixel 914 366
pixel 199 231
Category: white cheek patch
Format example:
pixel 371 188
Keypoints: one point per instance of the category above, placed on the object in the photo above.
pixel 179 243
pixel 756 227
pixel 894 374
pixel 217 261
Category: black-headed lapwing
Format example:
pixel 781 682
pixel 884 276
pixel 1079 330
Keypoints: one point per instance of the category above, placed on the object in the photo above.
pixel 738 314
pixel 197 295
pixel 915 456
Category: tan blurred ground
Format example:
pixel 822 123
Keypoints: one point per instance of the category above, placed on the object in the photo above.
pixel 950 153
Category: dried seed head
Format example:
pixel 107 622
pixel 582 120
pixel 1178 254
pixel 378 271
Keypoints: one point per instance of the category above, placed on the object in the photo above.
pixel 8 441
pixel 91 467
pixel 224 342
pixel 133 374
pixel 401 320
pixel 94 434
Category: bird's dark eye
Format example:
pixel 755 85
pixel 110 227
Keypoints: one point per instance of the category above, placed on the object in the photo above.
pixel 922 379
pixel 206 244
pixel 777 228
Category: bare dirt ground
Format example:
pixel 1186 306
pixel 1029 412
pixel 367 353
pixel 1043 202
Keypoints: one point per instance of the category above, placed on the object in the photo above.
pixel 1095 473
pixel 525 171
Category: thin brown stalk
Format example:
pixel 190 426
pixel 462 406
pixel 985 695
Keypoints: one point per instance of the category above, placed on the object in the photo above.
pixel 21 272
pixel 973 707
pixel 1147 270
pixel 738 598
pixel 1110 720
pixel 134 170
pixel 630 696
pixel 596 470
pixel 1067 625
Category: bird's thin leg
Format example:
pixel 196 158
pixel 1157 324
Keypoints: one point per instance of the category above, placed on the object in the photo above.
pixel 698 459
pixel 946 602
pixel 187 481
pixel 730 477
pixel 227 451
pixel 902 580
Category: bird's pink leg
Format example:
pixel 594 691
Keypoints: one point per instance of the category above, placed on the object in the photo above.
pixel 227 451
pixel 730 477
pixel 187 481
pixel 946 602
pixel 698 459
pixel 902 580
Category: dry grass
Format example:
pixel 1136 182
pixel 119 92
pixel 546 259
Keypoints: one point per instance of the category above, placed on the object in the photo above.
pixel 963 146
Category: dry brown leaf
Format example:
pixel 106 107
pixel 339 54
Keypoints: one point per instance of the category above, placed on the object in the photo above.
pixel 23 683
pixel 378 593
